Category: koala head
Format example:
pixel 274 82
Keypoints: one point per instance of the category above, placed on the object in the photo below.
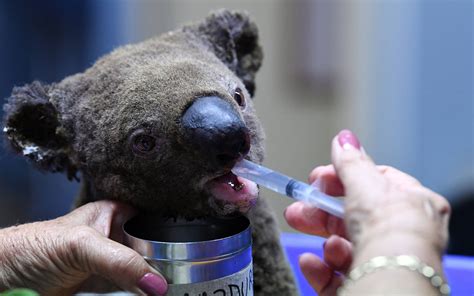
pixel 157 124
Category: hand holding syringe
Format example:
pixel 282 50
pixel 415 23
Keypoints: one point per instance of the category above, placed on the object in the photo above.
pixel 289 187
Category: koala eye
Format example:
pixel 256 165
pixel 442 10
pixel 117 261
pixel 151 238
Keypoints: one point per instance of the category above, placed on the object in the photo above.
pixel 143 144
pixel 239 97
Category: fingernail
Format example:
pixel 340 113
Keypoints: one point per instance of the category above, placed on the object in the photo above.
pixel 348 140
pixel 153 284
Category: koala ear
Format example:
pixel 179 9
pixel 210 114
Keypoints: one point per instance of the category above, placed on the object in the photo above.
pixel 33 129
pixel 234 39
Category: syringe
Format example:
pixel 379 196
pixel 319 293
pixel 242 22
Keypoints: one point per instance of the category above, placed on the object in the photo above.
pixel 289 187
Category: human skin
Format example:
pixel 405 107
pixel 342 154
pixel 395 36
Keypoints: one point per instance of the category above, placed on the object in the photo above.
pixel 64 255
pixel 387 212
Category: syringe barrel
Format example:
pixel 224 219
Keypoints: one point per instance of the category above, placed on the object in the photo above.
pixel 307 193
pixel 288 186
pixel 262 176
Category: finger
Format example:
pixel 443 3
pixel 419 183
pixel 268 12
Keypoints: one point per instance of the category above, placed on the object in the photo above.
pixel 338 253
pixel 327 180
pixel 105 216
pixel 121 265
pixel 356 171
pixel 313 221
pixel 320 276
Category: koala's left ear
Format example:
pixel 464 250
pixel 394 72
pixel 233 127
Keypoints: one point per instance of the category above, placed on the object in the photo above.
pixel 32 127
pixel 234 39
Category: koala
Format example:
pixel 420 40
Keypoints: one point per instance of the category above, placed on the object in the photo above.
pixel 159 125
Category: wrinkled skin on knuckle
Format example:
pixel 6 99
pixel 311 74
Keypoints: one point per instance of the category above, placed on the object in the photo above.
pixel 79 241
pixel 95 260
pixel 11 264
pixel 129 263
pixel 36 258
pixel 101 220
pixel 104 208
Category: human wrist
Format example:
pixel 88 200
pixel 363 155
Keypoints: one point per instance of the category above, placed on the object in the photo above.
pixel 398 243
pixel 395 278
pixel 395 273
pixel 400 229
pixel 394 229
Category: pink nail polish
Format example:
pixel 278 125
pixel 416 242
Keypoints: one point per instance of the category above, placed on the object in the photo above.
pixel 153 284
pixel 346 137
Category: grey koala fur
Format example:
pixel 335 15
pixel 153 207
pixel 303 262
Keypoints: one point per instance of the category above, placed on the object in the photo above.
pixel 85 124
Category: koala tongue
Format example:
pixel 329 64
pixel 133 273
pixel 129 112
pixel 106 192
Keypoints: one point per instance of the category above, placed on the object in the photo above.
pixel 235 190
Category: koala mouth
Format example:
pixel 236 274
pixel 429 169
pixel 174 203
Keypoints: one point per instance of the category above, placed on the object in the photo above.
pixel 233 193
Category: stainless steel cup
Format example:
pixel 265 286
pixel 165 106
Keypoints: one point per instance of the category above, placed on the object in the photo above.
pixel 199 257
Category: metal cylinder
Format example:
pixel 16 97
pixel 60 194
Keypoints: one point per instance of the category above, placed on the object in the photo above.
pixel 202 257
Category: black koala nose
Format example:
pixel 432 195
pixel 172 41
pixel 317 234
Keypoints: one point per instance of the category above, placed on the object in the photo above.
pixel 215 128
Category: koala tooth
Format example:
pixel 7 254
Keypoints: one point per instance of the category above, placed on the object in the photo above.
pixel 236 187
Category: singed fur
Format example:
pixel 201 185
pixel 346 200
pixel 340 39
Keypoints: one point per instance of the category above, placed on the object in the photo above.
pixel 83 124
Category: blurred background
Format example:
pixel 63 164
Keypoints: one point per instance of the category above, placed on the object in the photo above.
pixel 398 73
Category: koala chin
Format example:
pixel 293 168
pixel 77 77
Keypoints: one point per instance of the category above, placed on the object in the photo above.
pixel 159 125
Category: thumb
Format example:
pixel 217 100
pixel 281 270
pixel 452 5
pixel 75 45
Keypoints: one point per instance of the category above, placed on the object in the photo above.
pixel 355 169
pixel 118 263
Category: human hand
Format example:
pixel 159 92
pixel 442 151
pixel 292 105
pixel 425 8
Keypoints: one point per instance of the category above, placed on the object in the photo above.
pixel 386 212
pixel 57 257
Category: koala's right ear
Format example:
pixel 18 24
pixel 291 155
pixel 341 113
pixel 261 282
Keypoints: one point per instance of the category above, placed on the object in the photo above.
pixel 32 126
